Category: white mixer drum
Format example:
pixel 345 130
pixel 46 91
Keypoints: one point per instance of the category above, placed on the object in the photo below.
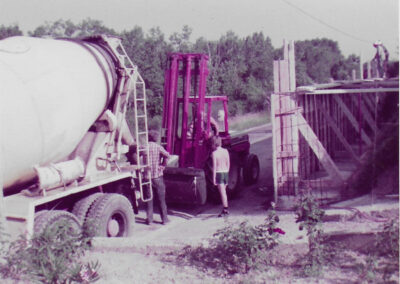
pixel 51 92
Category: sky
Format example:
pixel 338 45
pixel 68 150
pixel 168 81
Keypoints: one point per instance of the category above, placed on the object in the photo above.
pixel 354 24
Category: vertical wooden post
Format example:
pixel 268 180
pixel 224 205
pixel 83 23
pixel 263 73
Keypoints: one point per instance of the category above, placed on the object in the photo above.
pixel 293 118
pixel 284 125
pixel 353 74
pixel 369 75
pixel 276 133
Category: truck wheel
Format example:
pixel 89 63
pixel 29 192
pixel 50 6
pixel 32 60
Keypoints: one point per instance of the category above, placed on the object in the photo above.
pixel 39 213
pixel 114 215
pixel 81 208
pixel 251 170
pixel 234 179
pixel 46 220
pixel 125 189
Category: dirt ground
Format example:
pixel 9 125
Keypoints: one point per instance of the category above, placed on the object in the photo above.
pixel 148 256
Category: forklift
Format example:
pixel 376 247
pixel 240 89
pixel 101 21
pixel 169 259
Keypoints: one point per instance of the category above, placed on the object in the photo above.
pixel 190 119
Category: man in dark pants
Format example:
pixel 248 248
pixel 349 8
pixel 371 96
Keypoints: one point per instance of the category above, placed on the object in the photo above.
pixel 158 158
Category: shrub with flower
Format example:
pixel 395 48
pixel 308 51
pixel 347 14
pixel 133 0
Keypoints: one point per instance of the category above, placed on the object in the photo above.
pixel 237 248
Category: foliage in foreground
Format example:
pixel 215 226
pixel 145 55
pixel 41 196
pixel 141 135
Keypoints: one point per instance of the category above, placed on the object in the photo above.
pixel 51 257
pixel 236 248
pixel 384 258
pixel 309 215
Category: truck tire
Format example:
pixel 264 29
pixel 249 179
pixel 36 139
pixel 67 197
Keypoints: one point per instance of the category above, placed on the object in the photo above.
pixel 251 170
pixel 113 214
pixel 126 190
pixel 44 221
pixel 81 208
pixel 39 213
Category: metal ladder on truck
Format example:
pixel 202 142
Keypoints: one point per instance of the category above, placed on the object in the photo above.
pixel 131 81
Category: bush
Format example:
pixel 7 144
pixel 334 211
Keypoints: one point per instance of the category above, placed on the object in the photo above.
pixel 387 242
pixel 236 249
pixel 309 215
pixel 51 257
pixel 387 245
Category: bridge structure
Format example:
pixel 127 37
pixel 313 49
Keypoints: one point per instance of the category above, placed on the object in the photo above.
pixel 324 133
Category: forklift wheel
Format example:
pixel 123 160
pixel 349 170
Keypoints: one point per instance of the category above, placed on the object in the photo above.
pixel 234 179
pixel 251 170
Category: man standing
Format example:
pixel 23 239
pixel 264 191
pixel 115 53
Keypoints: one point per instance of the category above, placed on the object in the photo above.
pixel 221 165
pixel 381 58
pixel 158 158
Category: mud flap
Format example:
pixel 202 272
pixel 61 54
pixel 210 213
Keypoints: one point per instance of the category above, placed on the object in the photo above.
pixel 185 186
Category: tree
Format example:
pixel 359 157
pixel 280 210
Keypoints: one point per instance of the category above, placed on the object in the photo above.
pixel 343 69
pixel 181 41
pixel 61 28
pixel 318 56
pixel 258 57
pixel 90 27
pixel 9 31
pixel 157 51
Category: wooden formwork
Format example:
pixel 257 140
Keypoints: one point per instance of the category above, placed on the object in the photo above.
pixel 321 132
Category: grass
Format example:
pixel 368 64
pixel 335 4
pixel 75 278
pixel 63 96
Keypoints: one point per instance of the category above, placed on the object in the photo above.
pixel 242 122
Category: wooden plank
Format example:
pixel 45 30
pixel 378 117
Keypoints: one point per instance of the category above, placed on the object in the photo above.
pixel 302 172
pixel 366 114
pixel 317 128
pixel 286 131
pixel 318 183
pixel 276 77
pixel 369 75
pixel 275 140
pixel 313 127
pixel 331 122
pixel 369 100
pixel 285 50
pixel 276 130
pixel 352 120
pixel 328 129
pixel 319 150
pixel 308 153
pixel 288 111
pixel 294 122
pixel 287 154
pixel 351 91
pixel 292 67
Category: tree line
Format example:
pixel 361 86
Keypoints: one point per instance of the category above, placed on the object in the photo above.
pixel 240 68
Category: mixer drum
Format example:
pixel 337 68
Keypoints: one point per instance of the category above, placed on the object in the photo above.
pixel 51 92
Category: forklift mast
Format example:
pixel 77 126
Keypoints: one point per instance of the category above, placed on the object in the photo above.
pixel 187 110
pixel 187 128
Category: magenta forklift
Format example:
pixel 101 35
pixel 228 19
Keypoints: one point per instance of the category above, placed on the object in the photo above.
pixel 190 119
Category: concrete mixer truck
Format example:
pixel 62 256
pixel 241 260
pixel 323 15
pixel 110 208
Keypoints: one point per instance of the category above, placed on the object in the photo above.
pixel 64 133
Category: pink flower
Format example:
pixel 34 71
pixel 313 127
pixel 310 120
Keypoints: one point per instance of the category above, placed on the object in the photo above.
pixel 279 231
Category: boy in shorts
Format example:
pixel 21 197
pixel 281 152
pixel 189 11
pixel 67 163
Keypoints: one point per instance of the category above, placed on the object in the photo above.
pixel 221 164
